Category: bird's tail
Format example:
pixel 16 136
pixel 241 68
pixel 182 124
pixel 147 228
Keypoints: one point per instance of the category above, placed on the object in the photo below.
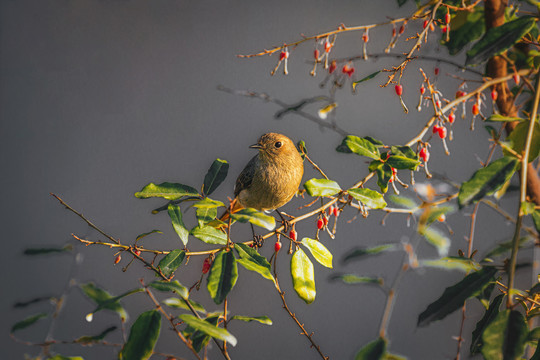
pixel 235 206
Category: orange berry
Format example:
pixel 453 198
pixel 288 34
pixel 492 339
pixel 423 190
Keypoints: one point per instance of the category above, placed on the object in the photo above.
pixel 475 109
pixel 333 66
pixel 451 117
pixel 117 259
pixel 316 54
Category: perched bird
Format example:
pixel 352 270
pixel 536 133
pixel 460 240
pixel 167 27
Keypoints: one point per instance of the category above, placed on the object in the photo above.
pixel 271 178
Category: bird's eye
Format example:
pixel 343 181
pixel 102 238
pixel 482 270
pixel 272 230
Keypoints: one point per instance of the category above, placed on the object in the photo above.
pixel 278 144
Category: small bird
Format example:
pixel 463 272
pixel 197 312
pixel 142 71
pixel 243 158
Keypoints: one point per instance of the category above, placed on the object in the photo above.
pixel 271 178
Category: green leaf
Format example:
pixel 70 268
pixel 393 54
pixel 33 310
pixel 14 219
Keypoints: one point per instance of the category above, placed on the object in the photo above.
pixel 142 337
pixel 489 315
pixel 534 334
pixel 178 303
pixel 61 357
pixel 253 261
pixel 303 276
pixel 536 219
pixel 465 27
pixel 353 279
pixel 498 39
pixel 173 286
pixel 518 137
pixel 89 340
pixel 403 201
pixel 209 235
pixel 486 181
pixel 453 263
pixel 437 239
pixel 369 77
pixel 384 174
pixel 222 276
pixel 166 190
pixel 51 250
pixel 215 176
pixel 375 350
pixel 207 210
pixel 198 338
pixel 368 197
pixel 401 162
pixel 454 296
pixel 363 252
pixel 175 213
pixel 359 146
pixel 104 300
pixel 505 337
pixel 499 117
pixel 261 319
pixel 171 262
pixel 255 217
pixel 321 187
pixel 319 252
pixel 208 328
pixel 27 322
pixel 139 237
pixel 527 207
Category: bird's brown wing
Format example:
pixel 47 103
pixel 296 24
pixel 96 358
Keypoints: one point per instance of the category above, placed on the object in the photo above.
pixel 246 176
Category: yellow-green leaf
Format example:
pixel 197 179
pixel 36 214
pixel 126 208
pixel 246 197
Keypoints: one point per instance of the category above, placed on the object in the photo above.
pixel 303 276
pixel 166 190
pixel 321 187
pixel 368 197
pixel 319 251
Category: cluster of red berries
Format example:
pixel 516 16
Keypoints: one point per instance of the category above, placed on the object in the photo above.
pixel 440 130
pixel 347 69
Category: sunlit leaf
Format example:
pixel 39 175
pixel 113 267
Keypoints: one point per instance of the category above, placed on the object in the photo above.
pixel 401 162
pixel 369 77
pixel 88 340
pixel 178 303
pixel 518 137
pixel 486 180
pixel 175 213
pixel 252 260
pixel 206 210
pixel 375 350
pixel 319 251
pixel 303 276
pixel 437 239
pixel 455 296
pixel 368 197
pixel 403 201
pixel 173 286
pixel 61 357
pixel 142 337
pixel 363 252
pixel 489 315
pixel 359 146
pixel 166 190
pixel 28 321
pixel 255 217
pixel 171 262
pixel 499 117
pixel 353 279
pixel 498 39
pixel 505 337
pixel 261 319
pixel 208 328
pixel 215 176
pixel 452 263
pixel 209 235
pixel 321 187
pixel 384 174
pixel 222 276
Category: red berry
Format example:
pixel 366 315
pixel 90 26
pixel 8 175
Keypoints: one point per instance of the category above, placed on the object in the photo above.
pixel 137 252
pixel 393 32
pixel 399 90
pixel 394 171
pixel 494 95
pixel 206 265
pixel 293 235
pixel 424 154
pixel 425 23
pixel 451 118
pixel 422 89
pixel 316 54
pixel 325 219
pixel 117 259
pixel 365 37
pixel 327 46
pixel 438 104
pixel 283 55
pixel 447 17
pixel 349 70
pixel 436 71
pixel 333 66
pixel 475 109
pixel 516 78
pixel 320 224
pixel 442 132
pixel 444 29
pixel 401 29
pixel 436 128
pixel 277 246
pixel 336 211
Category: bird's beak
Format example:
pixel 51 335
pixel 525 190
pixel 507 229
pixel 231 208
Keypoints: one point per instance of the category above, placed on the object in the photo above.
pixel 256 146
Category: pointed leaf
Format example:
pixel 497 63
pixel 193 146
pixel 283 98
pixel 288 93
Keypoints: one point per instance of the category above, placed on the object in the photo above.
pixel 359 146
pixel 353 279
pixel 171 262
pixel 401 162
pixel 199 339
pixel 384 174
pixel 222 276
pixel 437 239
pixel 498 39
pixel 166 190
pixel 139 237
pixel 465 27
pixel 178 303
pixel 303 276
pixel 489 315
pixel 505 337
pixel 215 176
pixel 375 350
pixel 208 328
pixel 499 117
pixel 363 252
pixel 518 137
pixel 28 321
pixel 319 251
pixel 89 340
pixel 261 319
pixel 255 217
pixel 142 337
pixel 453 263
pixel 369 77
pixel 253 261
pixel 368 197
pixel 209 235
pixel 175 213
pixel 207 210
pixel 104 300
pixel 403 201
pixel 486 180
pixel 454 296
pixel 173 286
pixel 321 187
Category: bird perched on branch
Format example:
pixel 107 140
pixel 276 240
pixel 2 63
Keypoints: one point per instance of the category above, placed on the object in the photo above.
pixel 271 178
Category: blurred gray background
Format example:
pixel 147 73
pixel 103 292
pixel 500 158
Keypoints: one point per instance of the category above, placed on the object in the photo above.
pixel 99 98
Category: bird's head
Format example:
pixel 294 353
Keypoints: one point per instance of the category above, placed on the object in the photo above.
pixel 274 145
